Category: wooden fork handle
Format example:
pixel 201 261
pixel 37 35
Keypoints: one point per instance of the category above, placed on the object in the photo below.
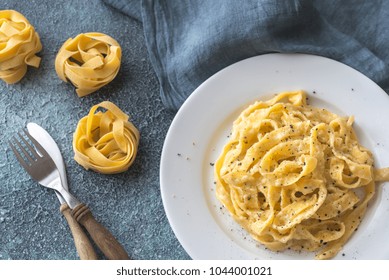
pixel 81 241
pixel 100 235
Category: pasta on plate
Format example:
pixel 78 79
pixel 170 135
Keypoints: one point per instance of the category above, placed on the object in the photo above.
pixel 295 176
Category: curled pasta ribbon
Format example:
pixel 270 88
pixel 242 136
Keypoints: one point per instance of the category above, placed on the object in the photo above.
pixel 89 61
pixel 295 176
pixel 105 142
pixel 18 45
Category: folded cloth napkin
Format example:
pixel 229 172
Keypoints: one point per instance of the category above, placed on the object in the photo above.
pixel 188 41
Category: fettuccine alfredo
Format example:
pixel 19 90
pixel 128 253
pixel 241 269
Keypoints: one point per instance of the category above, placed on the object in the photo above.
pixel 295 176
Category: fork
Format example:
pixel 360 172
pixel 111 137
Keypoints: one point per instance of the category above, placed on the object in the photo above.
pixel 40 166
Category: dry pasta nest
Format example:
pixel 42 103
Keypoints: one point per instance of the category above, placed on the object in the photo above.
pixel 89 61
pixel 105 142
pixel 19 42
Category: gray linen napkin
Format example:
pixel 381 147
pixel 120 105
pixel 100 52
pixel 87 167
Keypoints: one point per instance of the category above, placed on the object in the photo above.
pixel 188 41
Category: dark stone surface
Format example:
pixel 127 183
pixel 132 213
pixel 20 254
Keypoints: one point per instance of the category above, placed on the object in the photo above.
pixel 128 204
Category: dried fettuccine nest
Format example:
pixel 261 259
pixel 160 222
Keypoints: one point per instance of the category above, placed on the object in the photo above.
pixel 89 61
pixel 18 45
pixel 106 142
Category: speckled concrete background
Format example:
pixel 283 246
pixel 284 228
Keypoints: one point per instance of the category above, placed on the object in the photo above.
pixel 129 204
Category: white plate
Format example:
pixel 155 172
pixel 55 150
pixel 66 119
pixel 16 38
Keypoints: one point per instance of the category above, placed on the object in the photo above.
pixel 200 129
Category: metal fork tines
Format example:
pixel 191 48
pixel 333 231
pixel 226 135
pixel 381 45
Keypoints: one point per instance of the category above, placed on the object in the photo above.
pixel 34 159
pixel 39 165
